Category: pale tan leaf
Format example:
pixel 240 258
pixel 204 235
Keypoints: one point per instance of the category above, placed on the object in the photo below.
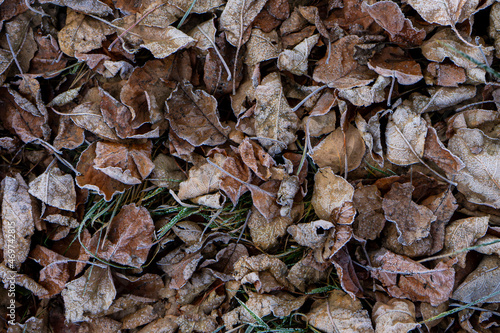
pixel 395 316
pixel 295 60
pixel 274 118
pixel 203 179
pixel 265 272
pixel 55 189
pixel 312 234
pixel 340 313
pixel 372 135
pixel 330 192
pixel 82 33
pixel 237 18
pixel 479 181
pixel 367 95
pixel 486 248
pixel 193 116
pixel 256 158
pixel 22 280
pixel 262 46
pixel 95 7
pixel 441 97
pixel 89 295
pixel 204 34
pixel 307 271
pixel 405 122
pixel 483 281
pixel 332 150
pixel 18 220
pixel 461 234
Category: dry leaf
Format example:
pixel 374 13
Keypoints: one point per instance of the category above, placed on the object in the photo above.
pixel 437 152
pixel 370 220
pixel 488 249
pixel 479 180
pixel 405 126
pixel 322 118
pixel 475 118
pixel 389 16
pixel 405 278
pixel 69 136
pixel 203 179
pixel 461 234
pixel 295 60
pixel 89 295
pixel 22 280
pixel 332 150
pixel 94 179
pixel 55 189
pixel 193 116
pixel 441 97
pixel 391 62
pixel 52 276
pixel 18 221
pixel 82 33
pixel 265 272
pixel 447 75
pixel 204 34
pixel 445 12
pixel 274 118
pixel 395 316
pixel 330 192
pixel 128 238
pixel 312 234
pixel 261 47
pixel 306 272
pixel 340 313
pixel 435 49
pixel 341 70
pixel 372 135
pixel 413 221
pixel 167 172
pixel 237 18
pixel 95 7
pixel 367 95
pixel 256 158
pixel 483 281
pixel 345 270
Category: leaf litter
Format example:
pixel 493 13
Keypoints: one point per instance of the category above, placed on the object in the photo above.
pixel 193 166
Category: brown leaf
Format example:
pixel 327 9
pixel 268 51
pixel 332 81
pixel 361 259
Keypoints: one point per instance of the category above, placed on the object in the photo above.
pixel 390 17
pixel 391 62
pixel 405 126
pixel 193 116
pixel 53 276
pixel 475 118
pixel 371 134
pixel 340 313
pixel 18 220
pixel 46 61
pixel 232 187
pixel 266 233
pixel 332 150
pixel 370 220
pixel 274 118
pixel 237 18
pixel 82 33
pixel 435 151
pixel 341 70
pixel 346 273
pixel 203 179
pixel 405 278
pixel 479 181
pixel 447 75
pixel 69 135
pixel 262 46
pixel 200 33
pixel 95 7
pixel 94 179
pixel 322 118
pixel 412 220
pixel 128 238
pixel 222 266
pixel 295 60
pixel 485 247
pixel 446 12
pixel 167 172
pixel 367 95
pixel 256 158
pixel 89 295
pixel 330 192
pixel 395 316
pixel 312 234
pixel 306 272
pixel 483 281
pixel 463 233
pixel 55 189
pixel 129 164
pixel 265 272
pixel 22 280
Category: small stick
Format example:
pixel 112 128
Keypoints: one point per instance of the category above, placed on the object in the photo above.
pixel 229 77
pixel 14 54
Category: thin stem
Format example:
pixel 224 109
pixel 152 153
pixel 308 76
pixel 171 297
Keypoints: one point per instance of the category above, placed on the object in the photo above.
pixel 229 76
pixel 14 56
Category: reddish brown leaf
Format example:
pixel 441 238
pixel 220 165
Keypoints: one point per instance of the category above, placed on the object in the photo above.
pixel 391 61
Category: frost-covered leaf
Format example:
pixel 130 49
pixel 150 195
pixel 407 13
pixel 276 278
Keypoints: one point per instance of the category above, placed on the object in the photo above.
pixel 203 179
pixel 262 46
pixel 237 18
pixel 89 295
pixel 463 233
pixel 445 12
pixel 55 188
pixel 295 60
pixel 479 181
pixel 95 7
pixel 167 172
pixel 392 62
pixel 395 316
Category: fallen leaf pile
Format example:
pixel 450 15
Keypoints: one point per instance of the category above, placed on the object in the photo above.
pixel 250 165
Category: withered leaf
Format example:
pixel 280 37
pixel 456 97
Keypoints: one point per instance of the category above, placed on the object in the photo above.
pixel 412 220
pixel 22 280
pixel 331 152
pixel 345 270
pixel 232 187
pixel 372 135
pixel 413 280
pixel 483 281
pixel 295 60
pixel 256 158
pixel 128 238
pixel 82 33
pixel 94 179
pixel 370 220
pixel 405 126
pixel 340 313
pixel 193 116
pixel 265 272
pixel 18 220
pixel 95 7
pixel 463 233
pixel 367 95
pixel 129 164
pixel 52 276
pixel 203 179
pixel 435 151
pixel 305 272
pixel 204 34
pixel 274 118
pixel 391 62
pixel 395 316
pixel 312 234
pixel 330 192
pixel 167 172
pixel 447 75
pixel 389 16
pixel 88 295
pixel 237 18
pixel 262 46
pixel 479 180
pixel 444 12
pixel 55 189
